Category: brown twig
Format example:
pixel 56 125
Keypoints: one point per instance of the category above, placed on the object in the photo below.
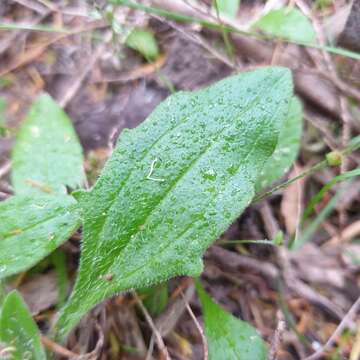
pixel 58 349
pixel 346 235
pixel 277 338
pixel 201 42
pixel 34 53
pixel 200 329
pixel 5 168
pixel 70 93
pixel 341 327
pixel 33 6
pixel 159 340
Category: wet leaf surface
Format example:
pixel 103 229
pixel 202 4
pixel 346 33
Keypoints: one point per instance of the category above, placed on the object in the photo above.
pixel 229 338
pixel 174 184
pixel 47 155
pixel 19 331
pixel 32 227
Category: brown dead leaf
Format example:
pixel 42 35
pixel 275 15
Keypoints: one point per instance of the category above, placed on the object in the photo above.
pixel 40 293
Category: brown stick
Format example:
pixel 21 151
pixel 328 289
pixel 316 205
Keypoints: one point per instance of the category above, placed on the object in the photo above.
pixel 58 349
pixel 344 322
pixel 198 326
pixel 149 320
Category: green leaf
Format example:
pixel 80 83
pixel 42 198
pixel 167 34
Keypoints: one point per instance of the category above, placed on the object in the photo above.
pixel 58 259
pixel 228 337
pixel 33 227
pixel 289 24
pixel 155 298
pixel 144 42
pixel 19 331
pixel 174 184
pixel 47 154
pixel 287 147
pixel 227 7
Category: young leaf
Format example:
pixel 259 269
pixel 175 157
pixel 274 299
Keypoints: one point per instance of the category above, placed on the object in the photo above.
pixel 289 24
pixel 144 42
pixel 228 337
pixel 287 147
pixel 155 298
pixel 47 154
pixel 18 330
pixel 174 184
pixel 33 227
pixel 227 7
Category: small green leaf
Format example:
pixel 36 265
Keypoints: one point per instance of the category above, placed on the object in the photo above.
pixel 18 331
pixel 228 337
pixel 287 147
pixel 155 298
pixel 174 184
pixel 33 227
pixel 144 42
pixel 227 7
pixel 285 23
pixel 47 155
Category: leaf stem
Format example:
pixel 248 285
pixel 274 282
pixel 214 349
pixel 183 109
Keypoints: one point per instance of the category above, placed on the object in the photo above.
pixel 353 145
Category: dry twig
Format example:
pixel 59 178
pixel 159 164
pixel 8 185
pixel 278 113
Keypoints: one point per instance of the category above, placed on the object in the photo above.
pixel 149 320
pixel 198 326
pixel 276 340
pixel 343 324
pixel 58 349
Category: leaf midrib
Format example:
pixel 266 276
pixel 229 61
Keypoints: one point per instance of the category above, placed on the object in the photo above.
pixel 148 151
pixel 190 225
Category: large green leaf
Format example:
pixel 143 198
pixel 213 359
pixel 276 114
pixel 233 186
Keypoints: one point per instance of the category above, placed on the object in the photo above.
pixel 18 330
pixel 287 147
pixel 47 154
pixel 174 184
pixel 228 337
pixel 289 24
pixel 32 227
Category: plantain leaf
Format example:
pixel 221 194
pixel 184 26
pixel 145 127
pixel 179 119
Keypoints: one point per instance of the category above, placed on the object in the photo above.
pixel 47 154
pixel 228 337
pixel 32 227
pixel 18 330
pixel 287 147
pixel 174 184
pixel 286 23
